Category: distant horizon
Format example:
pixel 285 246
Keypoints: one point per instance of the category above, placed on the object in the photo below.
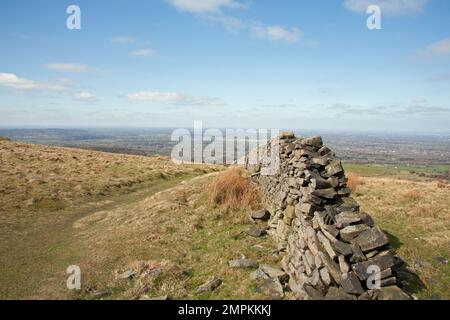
pixel 318 131
pixel 230 63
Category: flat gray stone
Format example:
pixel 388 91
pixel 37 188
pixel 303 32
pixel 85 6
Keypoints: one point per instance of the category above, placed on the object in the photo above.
pixel 351 284
pixel 210 285
pixel 101 293
pixel 313 293
pixel 332 267
pixel 342 248
pixel 313 141
pixel 126 275
pixel 383 261
pixel 256 231
pixel 329 193
pixel 350 232
pixel 271 288
pixel 289 134
pixel 334 168
pixel 346 218
pixel 358 255
pixel 274 272
pixel 371 239
pixel 243 263
pixel 258 274
pixel 261 215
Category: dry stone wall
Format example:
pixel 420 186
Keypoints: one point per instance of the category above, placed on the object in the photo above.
pixel 331 248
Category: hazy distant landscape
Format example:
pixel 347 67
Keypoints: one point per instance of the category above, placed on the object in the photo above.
pixel 414 152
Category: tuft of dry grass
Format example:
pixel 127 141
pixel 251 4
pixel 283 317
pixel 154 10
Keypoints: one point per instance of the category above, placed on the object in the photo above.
pixel 232 190
pixel 441 185
pixel 354 181
pixel 412 195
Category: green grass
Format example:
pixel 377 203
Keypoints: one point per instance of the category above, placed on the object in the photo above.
pixel 400 171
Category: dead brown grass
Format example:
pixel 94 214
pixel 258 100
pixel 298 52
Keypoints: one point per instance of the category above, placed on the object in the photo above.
pixel 441 185
pixel 232 190
pixel 416 215
pixel 36 178
pixel 354 181
pixel 412 195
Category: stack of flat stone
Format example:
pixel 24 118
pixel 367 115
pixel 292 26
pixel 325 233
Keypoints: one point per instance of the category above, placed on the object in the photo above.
pixel 332 249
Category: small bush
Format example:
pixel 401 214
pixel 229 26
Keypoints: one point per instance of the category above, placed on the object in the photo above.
pixel 354 181
pixel 441 185
pixel 232 190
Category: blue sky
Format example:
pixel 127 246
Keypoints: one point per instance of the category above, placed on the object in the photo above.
pixel 230 63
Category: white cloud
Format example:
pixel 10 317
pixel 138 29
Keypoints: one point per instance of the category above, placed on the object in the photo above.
pixel 13 81
pixel 173 98
pixel 229 23
pixel 68 67
pixel 85 96
pixel 123 40
pixel 277 33
pixel 389 7
pixel 212 11
pixel 204 6
pixel 144 53
pixel 440 48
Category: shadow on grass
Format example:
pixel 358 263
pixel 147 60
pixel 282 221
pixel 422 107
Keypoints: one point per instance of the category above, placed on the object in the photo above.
pixel 407 279
pixel 394 241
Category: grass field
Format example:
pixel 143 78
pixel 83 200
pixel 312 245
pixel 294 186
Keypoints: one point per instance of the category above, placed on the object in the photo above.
pixel 416 215
pixel 111 213
pixel 398 171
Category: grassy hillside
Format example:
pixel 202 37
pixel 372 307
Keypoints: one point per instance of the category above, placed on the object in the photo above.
pixel 416 215
pixel 111 213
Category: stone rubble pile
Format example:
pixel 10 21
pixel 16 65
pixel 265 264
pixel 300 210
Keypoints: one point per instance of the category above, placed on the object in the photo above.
pixel 331 248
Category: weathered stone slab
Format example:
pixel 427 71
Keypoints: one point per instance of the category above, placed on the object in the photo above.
pixel 313 141
pixel 346 218
pixel 382 261
pixel 331 266
pixel 256 231
pixel 209 285
pixel 371 239
pixel 334 168
pixel 243 263
pixel 329 193
pixel 325 276
pixel 261 215
pixel 351 284
pixel 271 288
pixel 351 232
pixel 274 272
pixel 326 244
pixel 317 182
pixel 342 248
pixel 343 265
pixel 313 293
pixel 258 274
pixel 288 134
pixel 358 255
pixel 126 275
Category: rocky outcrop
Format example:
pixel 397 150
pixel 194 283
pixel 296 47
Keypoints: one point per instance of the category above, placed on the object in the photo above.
pixel 332 250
